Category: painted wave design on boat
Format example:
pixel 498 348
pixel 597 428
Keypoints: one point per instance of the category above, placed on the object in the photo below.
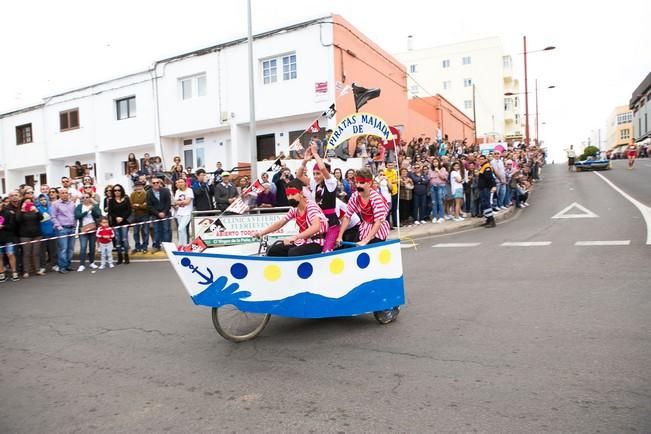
pixel 371 296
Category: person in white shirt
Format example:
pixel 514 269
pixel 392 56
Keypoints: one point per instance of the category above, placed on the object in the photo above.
pixel 457 177
pixel 183 205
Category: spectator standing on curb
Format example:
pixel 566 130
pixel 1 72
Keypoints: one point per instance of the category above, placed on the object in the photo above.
pixel 73 193
pixel 391 175
pixel 119 211
pixel 406 196
pixel 49 247
pixel 28 220
pixel 183 206
pixel 108 194
pixel 159 203
pixel 87 213
pixel 7 240
pixel 266 199
pixel 421 182
pixel 53 195
pixel 105 235
pixel 486 185
pixel 437 179
pixel 500 180
pixel 225 192
pixel 63 218
pixel 204 194
pixel 284 177
pixel 140 214
pixel 457 178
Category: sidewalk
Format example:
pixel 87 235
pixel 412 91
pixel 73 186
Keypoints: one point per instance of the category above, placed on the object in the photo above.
pixel 448 227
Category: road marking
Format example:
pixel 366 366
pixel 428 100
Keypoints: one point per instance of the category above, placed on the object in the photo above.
pixel 645 210
pixel 407 246
pixel 456 245
pixel 526 244
pixel 603 243
pixel 564 215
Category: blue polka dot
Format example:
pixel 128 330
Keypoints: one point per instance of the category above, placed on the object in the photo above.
pixel 239 271
pixel 305 270
pixel 363 260
pixel 185 262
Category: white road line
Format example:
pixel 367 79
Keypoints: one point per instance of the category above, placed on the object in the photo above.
pixel 645 210
pixel 526 244
pixel 456 245
pixel 603 243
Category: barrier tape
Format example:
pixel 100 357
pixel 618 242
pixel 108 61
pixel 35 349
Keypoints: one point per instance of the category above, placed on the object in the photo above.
pixel 77 234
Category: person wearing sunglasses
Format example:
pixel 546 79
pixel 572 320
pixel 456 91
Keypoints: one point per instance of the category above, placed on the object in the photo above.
pixel 373 209
pixel 159 204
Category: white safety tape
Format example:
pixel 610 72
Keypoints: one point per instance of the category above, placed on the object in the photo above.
pixel 76 234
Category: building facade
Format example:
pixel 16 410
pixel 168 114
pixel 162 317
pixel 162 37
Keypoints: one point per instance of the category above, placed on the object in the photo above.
pixel 195 105
pixel 454 70
pixel 619 130
pixel 640 104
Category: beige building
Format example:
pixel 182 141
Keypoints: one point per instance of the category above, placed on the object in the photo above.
pixel 619 129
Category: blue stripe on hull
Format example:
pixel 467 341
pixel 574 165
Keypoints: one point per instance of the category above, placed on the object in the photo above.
pixel 371 296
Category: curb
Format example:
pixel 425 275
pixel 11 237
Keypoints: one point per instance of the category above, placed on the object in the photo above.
pixel 430 229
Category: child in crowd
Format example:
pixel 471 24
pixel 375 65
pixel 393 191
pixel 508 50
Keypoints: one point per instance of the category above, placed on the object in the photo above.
pixel 105 235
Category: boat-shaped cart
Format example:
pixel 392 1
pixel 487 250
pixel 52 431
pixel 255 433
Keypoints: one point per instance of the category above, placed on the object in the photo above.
pixel 244 288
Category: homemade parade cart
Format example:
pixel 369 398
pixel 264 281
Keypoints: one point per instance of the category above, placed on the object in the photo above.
pixel 244 287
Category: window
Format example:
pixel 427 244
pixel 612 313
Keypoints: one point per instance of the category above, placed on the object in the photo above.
pixel 517 119
pixel 516 101
pixel 194 152
pixel 289 67
pixel 126 108
pixel 447 84
pixel 467 82
pixel 194 86
pixel 508 104
pixel 624 118
pixel 412 68
pixel 506 61
pixel 69 119
pixel 467 104
pixel 23 134
pixel 625 134
pixel 446 63
pixel 414 89
pixel 269 71
pixel 465 60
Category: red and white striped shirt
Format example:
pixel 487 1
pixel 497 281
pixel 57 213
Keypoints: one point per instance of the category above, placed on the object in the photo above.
pixel 376 209
pixel 304 221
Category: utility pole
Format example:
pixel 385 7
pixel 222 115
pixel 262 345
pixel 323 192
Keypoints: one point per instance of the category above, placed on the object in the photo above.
pixel 526 95
pixel 252 132
pixel 537 139
pixel 474 113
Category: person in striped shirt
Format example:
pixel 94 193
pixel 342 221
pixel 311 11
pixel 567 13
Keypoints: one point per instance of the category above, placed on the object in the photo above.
pixel 372 209
pixel 312 225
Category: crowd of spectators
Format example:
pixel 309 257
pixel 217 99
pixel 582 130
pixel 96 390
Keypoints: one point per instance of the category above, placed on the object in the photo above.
pixel 427 181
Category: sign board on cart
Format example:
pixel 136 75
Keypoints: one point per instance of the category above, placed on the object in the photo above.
pixel 238 229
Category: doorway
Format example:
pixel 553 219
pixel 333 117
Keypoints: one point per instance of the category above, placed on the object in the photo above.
pixel 266 147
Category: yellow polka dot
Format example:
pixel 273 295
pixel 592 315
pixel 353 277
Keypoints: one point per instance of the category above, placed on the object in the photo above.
pixel 272 273
pixel 337 266
pixel 385 256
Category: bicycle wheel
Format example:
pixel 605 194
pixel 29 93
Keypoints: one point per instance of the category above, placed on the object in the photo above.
pixel 386 316
pixel 237 326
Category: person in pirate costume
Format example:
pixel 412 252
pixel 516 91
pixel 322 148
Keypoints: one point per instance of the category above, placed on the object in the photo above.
pixel 372 209
pixel 486 185
pixel 311 222
pixel 323 188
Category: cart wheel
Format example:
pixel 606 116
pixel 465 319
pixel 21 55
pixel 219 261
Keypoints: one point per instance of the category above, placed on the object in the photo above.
pixel 237 326
pixel 386 316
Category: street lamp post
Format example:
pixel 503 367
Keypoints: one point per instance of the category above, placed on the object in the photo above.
pixel 526 88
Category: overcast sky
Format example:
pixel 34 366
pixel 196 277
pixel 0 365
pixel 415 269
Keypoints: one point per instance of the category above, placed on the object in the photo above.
pixel 603 46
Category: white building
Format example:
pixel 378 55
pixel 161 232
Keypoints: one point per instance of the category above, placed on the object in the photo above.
pixel 452 70
pixel 194 105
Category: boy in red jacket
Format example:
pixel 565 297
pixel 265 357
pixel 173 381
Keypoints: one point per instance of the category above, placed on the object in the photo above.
pixel 105 237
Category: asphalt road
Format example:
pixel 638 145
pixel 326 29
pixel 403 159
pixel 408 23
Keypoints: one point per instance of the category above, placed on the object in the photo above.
pixel 550 337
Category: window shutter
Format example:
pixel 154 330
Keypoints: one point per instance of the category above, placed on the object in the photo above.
pixel 63 121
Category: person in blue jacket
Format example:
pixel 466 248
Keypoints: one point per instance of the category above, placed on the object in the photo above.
pixel 49 248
